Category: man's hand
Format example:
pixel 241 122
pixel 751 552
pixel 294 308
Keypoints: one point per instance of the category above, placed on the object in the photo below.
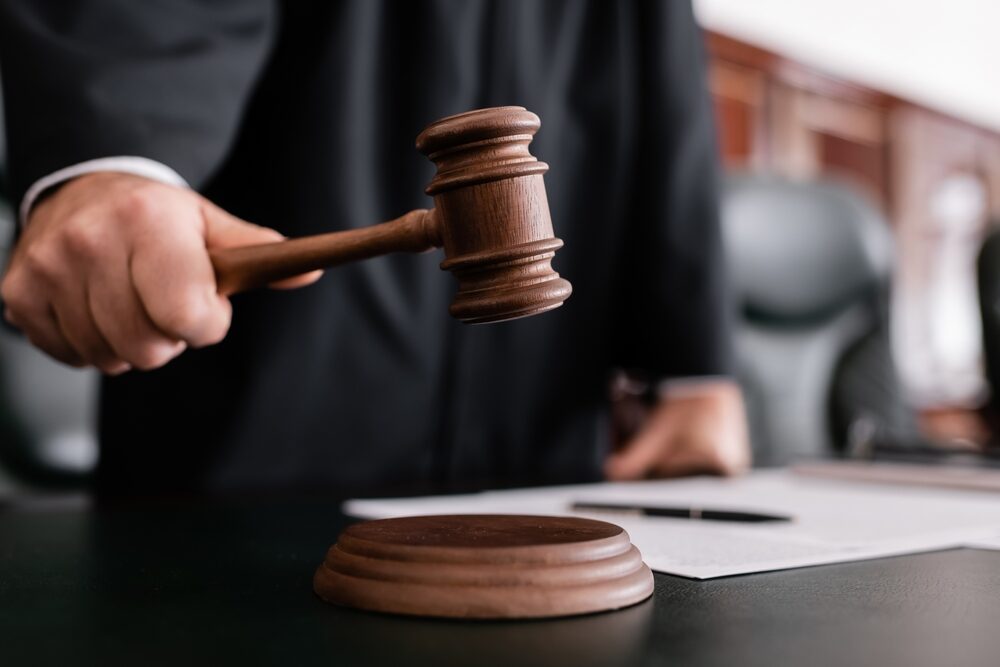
pixel 700 430
pixel 113 271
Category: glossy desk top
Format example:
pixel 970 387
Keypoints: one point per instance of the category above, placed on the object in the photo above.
pixel 219 585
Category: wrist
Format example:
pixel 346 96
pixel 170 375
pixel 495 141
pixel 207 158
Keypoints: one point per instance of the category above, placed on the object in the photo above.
pixel 708 386
pixel 134 165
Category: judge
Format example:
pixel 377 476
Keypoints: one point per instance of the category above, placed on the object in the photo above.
pixel 141 135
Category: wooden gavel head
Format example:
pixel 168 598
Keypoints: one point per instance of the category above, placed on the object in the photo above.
pixel 493 215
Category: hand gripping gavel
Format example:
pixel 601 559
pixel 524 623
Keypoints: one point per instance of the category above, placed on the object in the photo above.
pixel 491 216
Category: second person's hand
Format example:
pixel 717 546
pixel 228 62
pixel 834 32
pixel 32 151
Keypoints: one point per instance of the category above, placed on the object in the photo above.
pixel 703 430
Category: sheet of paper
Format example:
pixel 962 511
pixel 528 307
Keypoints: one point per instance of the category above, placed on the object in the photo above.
pixel 834 521
pixel 991 543
pixel 919 474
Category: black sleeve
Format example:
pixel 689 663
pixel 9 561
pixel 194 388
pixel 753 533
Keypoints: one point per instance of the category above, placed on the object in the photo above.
pixel 162 79
pixel 674 317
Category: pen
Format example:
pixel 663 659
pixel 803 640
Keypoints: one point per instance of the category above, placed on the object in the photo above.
pixel 699 513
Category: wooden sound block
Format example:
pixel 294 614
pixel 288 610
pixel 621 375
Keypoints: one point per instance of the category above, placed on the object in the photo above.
pixel 484 566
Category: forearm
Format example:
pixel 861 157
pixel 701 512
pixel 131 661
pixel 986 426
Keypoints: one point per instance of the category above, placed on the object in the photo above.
pixel 673 305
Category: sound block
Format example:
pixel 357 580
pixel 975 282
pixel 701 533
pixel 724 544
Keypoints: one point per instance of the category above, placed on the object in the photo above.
pixel 484 566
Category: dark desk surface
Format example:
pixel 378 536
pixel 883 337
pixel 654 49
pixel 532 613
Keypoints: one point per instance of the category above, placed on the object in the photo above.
pixel 224 585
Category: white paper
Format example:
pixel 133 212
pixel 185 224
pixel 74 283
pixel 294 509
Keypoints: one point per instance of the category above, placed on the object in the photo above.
pixel 833 521
pixel 991 543
pixel 918 474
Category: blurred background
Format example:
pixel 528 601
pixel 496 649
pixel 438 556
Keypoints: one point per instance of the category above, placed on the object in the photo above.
pixel 860 141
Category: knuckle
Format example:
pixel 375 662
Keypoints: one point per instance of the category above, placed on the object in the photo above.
pixel 14 295
pixel 83 240
pixel 38 262
pixel 139 203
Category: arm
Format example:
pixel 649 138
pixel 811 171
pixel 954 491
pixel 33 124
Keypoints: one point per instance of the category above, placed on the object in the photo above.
pixel 675 313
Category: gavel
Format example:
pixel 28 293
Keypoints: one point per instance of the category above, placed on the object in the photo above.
pixel 491 216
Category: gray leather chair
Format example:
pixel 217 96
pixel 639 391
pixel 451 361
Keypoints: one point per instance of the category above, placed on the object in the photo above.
pixel 811 263
pixel 988 276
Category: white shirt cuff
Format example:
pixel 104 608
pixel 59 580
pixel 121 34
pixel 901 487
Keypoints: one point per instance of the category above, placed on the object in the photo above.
pixel 125 164
pixel 685 387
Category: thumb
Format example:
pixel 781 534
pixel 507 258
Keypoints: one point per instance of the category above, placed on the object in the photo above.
pixel 642 455
pixel 224 230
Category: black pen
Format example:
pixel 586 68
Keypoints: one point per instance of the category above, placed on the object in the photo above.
pixel 698 513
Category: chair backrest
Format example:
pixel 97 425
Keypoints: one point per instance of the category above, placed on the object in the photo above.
pixel 988 278
pixel 810 262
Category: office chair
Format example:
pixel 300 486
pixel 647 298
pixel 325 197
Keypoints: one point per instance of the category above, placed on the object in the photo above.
pixel 810 263
pixel 988 278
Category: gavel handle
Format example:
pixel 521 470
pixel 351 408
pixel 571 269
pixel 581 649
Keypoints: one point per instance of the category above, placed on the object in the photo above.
pixel 247 267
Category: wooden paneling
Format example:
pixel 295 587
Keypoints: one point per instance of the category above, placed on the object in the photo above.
pixel 778 115
pixel 739 93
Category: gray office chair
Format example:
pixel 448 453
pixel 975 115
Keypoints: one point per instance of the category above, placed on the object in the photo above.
pixel 988 278
pixel 811 264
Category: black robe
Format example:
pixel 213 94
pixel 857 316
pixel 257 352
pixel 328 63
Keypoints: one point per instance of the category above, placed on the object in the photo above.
pixel 302 116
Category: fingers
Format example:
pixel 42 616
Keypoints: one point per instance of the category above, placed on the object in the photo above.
pixel 175 283
pixel 662 453
pixel 684 463
pixel 696 434
pixel 25 291
pixel 224 230
pixel 97 321
pixel 641 457
pixel 121 318
pixel 76 322
pixel 42 331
